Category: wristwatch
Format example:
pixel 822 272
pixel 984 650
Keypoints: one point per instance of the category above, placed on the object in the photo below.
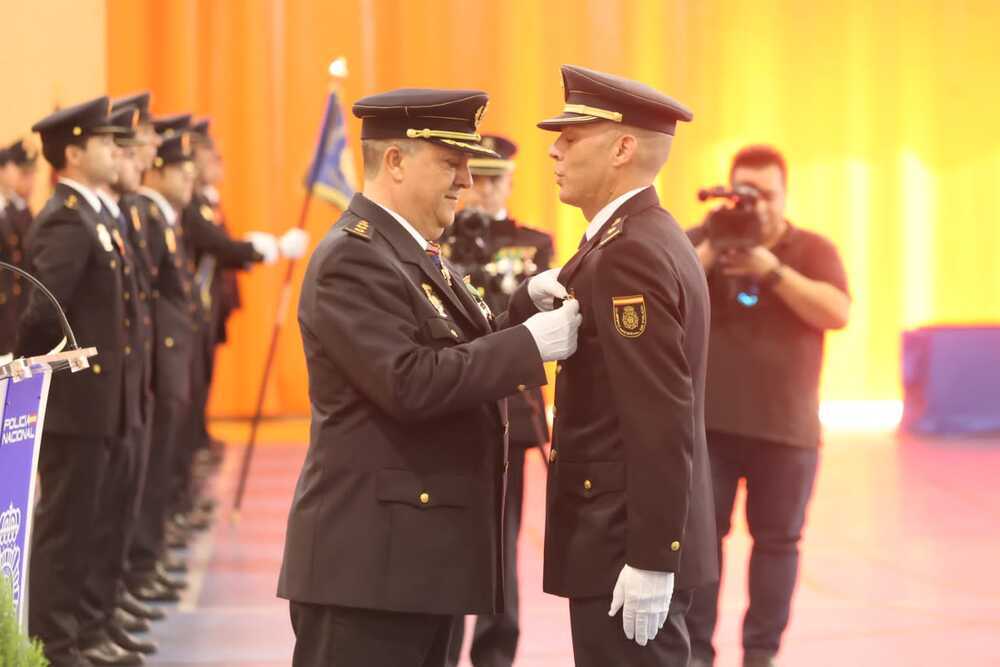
pixel 773 277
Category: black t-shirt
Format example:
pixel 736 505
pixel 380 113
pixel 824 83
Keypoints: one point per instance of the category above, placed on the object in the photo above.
pixel 764 361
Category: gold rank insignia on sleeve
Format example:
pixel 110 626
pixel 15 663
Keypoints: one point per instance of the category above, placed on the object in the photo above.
pixel 361 229
pixel 104 237
pixel 629 314
pixel 614 229
pixel 433 298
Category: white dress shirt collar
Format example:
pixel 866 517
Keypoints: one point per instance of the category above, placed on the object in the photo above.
pixel 168 211
pixel 606 212
pixel 110 202
pixel 406 225
pixel 83 191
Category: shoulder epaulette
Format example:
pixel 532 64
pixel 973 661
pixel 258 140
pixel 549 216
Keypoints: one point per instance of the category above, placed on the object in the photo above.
pixel 613 232
pixel 361 229
pixel 71 201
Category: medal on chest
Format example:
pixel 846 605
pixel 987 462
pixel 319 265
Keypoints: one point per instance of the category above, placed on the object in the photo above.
pixel 434 299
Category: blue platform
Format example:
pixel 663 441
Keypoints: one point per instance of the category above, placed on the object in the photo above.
pixel 951 380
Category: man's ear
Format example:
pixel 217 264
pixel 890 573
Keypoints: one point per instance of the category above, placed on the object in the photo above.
pixel 73 155
pixel 625 149
pixel 392 162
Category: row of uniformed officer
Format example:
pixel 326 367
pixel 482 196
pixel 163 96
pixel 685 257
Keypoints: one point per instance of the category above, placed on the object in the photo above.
pixel 117 448
pixel 89 443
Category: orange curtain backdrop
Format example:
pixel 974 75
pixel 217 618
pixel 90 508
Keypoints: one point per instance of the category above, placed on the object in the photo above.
pixel 884 110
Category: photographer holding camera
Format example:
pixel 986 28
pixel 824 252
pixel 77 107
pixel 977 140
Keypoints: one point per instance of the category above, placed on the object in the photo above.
pixel 775 290
pixel 499 254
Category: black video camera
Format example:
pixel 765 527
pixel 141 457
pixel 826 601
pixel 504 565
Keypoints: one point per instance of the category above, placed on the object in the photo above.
pixel 735 225
pixel 466 240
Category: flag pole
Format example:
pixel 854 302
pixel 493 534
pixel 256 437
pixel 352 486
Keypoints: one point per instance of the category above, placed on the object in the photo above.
pixel 338 69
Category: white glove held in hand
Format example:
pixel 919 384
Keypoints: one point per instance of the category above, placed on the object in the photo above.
pixel 644 598
pixel 544 288
pixel 555 331
pixel 265 244
pixel 294 243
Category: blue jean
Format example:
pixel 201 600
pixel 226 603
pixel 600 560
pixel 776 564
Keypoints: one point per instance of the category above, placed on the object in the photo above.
pixel 779 481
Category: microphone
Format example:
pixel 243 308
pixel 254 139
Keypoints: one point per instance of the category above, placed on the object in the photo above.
pixel 63 322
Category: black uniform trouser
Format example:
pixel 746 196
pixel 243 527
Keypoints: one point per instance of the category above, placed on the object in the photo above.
pixel 494 640
pixel 115 529
pixel 333 636
pixel 73 471
pixel 148 537
pixel 599 640
pixel 190 436
pixel 779 483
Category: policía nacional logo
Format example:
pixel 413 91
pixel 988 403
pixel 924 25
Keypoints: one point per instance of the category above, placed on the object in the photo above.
pixel 629 313
pixel 19 429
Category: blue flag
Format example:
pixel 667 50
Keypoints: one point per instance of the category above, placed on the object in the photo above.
pixel 331 175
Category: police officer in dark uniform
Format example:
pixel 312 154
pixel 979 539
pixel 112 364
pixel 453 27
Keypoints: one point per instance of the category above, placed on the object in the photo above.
pixel 215 252
pixel 157 229
pixel 629 528
pixel 395 526
pixel 511 253
pixel 72 250
pixel 17 176
pixel 123 488
pixel 22 156
pixel 10 283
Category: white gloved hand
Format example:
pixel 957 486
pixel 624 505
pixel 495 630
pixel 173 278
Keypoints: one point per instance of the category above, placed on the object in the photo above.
pixel 644 598
pixel 265 245
pixel 555 331
pixel 294 243
pixel 544 288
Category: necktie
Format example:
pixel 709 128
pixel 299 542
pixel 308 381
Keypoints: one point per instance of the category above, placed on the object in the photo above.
pixel 434 252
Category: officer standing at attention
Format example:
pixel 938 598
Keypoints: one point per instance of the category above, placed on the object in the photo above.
pixel 73 252
pixel 165 191
pixel 123 487
pixel 629 529
pixel 514 252
pixel 214 251
pixel 395 527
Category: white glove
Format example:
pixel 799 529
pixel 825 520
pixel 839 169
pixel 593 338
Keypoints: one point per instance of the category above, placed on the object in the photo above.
pixel 266 246
pixel 544 288
pixel 555 331
pixel 645 595
pixel 294 243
